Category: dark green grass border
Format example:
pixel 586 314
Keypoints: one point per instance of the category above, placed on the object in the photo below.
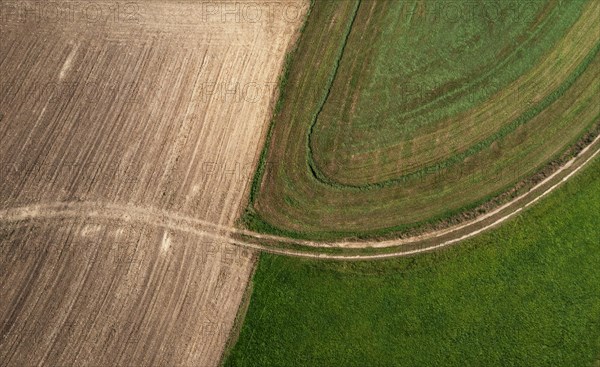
pixel 283 81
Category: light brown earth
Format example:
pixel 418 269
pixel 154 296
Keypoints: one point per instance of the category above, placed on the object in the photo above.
pixel 158 105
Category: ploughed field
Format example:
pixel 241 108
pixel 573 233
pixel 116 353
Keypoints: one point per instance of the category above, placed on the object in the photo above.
pixel 150 106
pixel 398 116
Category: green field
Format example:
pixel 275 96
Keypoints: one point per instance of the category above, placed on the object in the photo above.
pixel 526 294
pixel 395 115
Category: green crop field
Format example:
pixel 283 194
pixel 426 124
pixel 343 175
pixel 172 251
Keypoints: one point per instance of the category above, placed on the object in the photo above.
pixel 526 294
pixel 397 115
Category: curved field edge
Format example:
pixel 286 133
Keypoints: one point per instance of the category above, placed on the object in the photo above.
pixel 253 220
pixel 382 248
pixel 524 294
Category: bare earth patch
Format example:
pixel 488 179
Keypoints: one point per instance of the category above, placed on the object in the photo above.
pixel 156 104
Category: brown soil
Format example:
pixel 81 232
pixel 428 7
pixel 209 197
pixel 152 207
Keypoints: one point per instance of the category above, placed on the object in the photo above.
pixel 160 105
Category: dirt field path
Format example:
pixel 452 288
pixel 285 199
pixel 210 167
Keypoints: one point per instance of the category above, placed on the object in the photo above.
pixel 252 240
pixel 155 104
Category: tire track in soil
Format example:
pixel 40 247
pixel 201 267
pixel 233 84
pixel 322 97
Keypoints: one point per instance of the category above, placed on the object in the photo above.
pixel 174 221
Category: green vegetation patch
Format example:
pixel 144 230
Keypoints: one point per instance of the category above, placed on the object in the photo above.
pixel 400 114
pixel 526 294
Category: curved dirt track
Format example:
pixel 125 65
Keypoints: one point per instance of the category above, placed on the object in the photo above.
pixel 409 246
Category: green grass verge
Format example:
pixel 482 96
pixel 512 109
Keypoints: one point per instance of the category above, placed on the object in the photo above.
pixel 283 82
pixel 525 294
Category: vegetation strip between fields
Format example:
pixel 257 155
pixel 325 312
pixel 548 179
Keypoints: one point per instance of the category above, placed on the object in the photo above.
pixel 283 79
